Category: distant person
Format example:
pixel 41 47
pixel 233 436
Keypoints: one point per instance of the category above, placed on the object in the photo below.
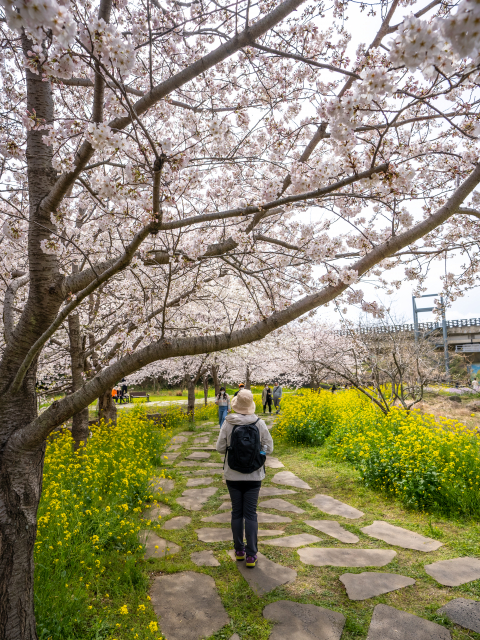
pixel 334 388
pixel 277 396
pixel 224 406
pixel 240 387
pixel 124 388
pixel 267 399
pixel 245 441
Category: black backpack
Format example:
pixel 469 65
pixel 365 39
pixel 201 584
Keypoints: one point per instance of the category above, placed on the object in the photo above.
pixel 244 452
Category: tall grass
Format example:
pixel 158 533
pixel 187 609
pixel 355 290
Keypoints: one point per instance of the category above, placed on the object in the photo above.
pixel 427 464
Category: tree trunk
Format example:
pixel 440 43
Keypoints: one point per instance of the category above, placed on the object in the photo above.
pixel 107 409
pixel 191 398
pixel 205 388
pixel 216 382
pixel 247 378
pixel 20 490
pixel 80 430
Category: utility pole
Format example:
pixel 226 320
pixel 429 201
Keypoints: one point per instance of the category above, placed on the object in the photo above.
pixel 417 310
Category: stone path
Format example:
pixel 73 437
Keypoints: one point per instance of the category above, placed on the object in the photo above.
pixel 335 507
pixel 333 529
pixel 187 602
pixel 401 537
pixel 303 621
pixel 347 557
pixel 463 612
pixel 188 605
pixel 361 586
pixel 391 624
pixel 266 576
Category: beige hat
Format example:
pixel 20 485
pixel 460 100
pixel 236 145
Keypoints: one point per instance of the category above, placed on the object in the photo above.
pixel 243 402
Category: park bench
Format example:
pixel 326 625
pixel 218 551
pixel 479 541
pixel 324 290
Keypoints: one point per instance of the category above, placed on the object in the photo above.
pixel 139 394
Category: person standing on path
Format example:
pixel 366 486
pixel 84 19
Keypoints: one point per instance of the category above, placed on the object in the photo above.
pixel 267 399
pixel 277 396
pixel 240 387
pixel 246 441
pixel 224 406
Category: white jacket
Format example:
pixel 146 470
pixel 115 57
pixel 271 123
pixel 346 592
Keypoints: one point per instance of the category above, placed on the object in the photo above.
pixel 224 441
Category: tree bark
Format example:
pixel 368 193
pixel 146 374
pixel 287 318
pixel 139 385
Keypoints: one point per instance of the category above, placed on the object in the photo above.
pixel 107 409
pixel 191 397
pixel 205 388
pixel 214 374
pixel 80 430
pixel 247 378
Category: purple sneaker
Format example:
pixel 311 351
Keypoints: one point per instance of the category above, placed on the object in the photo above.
pixel 251 561
pixel 240 554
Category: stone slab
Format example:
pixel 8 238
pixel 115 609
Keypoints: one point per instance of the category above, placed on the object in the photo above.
pixel 270 518
pixel 161 485
pixel 174 447
pixel 361 586
pixel 266 492
pixel 273 463
pixel 290 479
pixel 346 557
pixel 225 505
pixel 168 458
pixel 280 505
pixel 297 621
pixel 187 434
pixel 400 537
pixel 197 482
pixel 194 499
pixel 187 605
pixel 209 472
pixel 454 572
pixel 335 507
pixel 204 433
pixel 463 612
pixel 156 512
pixel 391 624
pixel 198 455
pixel 333 529
pixel 156 547
pixel 202 440
pixel 235 637
pixel 178 440
pixel 220 534
pixel 180 522
pixel 190 463
pixel 291 542
pixel 210 447
pixel 204 559
pixel 266 576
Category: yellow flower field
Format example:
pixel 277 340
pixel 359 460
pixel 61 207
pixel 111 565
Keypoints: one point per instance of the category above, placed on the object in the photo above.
pixel 427 464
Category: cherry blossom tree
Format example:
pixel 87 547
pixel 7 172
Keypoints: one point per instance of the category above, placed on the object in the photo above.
pixel 155 153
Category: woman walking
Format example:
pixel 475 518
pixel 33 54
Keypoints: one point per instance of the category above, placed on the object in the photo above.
pixel 267 399
pixel 223 402
pixel 246 441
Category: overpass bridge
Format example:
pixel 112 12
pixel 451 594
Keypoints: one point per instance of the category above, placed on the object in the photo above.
pixel 463 336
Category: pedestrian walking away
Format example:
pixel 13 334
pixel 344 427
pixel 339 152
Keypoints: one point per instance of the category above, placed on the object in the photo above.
pixel 240 387
pixel 267 399
pixel 245 441
pixel 224 406
pixel 277 396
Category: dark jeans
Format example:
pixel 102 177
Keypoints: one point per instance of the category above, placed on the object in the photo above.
pixel 269 402
pixel 244 496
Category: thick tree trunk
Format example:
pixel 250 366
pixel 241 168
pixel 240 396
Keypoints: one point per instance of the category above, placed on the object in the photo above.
pixel 216 382
pixel 20 490
pixel 107 409
pixel 80 429
pixel 247 378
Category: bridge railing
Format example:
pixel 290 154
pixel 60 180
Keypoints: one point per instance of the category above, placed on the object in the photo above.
pixel 422 326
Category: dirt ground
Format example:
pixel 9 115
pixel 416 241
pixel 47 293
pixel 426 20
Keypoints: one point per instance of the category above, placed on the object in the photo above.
pixel 466 411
